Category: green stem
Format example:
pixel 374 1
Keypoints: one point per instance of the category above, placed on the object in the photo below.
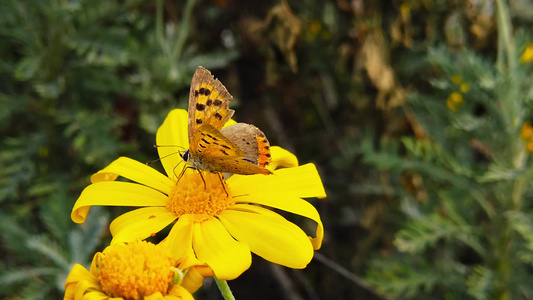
pixel 511 111
pixel 507 64
pixel 224 289
pixel 506 52
pixel 184 29
pixel 174 50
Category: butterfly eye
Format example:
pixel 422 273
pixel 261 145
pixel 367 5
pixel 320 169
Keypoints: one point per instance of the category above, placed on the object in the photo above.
pixel 186 155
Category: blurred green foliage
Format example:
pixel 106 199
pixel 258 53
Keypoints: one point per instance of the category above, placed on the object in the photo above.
pixel 425 200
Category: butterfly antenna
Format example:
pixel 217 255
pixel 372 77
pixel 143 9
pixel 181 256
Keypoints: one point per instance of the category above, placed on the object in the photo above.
pixel 174 146
pixel 152 161
pixel 155 160
pixel 222 182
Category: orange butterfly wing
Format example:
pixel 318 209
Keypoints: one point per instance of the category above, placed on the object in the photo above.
pixel 208 102
pixel 251 140
pixel 210 150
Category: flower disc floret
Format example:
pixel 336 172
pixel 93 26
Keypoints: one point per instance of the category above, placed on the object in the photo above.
pixel 135 270
pixel 201 195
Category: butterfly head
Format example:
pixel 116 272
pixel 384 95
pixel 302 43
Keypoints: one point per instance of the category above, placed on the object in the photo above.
pixel 186 155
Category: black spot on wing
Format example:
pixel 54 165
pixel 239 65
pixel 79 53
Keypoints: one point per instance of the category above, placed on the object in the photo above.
pixel 217 102
pixel 205 141
pixel 200 106
pixel 209 102
pixel 214 138
pixel 218 116
pixel 224 152
pixel 198 121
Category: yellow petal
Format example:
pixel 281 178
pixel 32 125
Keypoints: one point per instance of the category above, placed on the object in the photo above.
pixel 179 243
pixel 275 239
pixel 193 280
pixel 178 292
pixel 87 289
pixel 229 123
pixel 281 158
pixel 256 209
pixel 94 264
pixel 78 273
pixel 155 296
pixel 214 245
pixel 96 295
pixel 115 193
pixel 140 223
pixel 171 139
pixel 135 171
pixel 293 205
pixel 302 181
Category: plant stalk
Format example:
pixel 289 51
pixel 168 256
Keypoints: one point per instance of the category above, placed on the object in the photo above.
pixel 224 289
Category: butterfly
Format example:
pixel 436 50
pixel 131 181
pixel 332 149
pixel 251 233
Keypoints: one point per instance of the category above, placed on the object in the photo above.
pixel 238 149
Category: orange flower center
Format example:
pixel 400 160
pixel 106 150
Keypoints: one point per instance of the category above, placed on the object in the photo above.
pixel 135 270
pixel 204 195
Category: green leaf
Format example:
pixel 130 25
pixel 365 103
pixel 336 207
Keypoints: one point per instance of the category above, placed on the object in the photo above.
pixel 480 282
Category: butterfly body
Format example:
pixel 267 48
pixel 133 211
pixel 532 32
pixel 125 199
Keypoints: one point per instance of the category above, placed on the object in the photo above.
pixel 238 149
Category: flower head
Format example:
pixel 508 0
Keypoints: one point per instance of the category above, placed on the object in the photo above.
pixel 527 56
pixel 215 222
pixel 464 87
pixel 526 134
pixel 457 79
pixel 454 101
pixel 138 270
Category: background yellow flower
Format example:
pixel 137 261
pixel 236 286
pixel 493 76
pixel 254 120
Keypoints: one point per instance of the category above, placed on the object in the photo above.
pixel 138 270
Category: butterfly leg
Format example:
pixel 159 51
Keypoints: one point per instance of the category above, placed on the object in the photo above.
pixel 222 182
pixel 202 176
pixel 181 173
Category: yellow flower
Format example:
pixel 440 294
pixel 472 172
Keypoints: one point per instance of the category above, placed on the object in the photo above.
pixel 529 145
pixel 527 131
pixel 220 223
pixel 454 101
pixel 526 134
pixel 464 87
pixel 527 56
pixel 457 79
pixel 137 270
pixel 405 8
